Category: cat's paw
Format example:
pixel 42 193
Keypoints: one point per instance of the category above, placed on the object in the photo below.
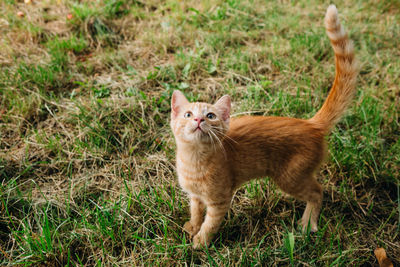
pixel 308 223
pixel 200 240
pixel 191 229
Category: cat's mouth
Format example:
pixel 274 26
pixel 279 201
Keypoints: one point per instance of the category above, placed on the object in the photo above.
pixel 198 129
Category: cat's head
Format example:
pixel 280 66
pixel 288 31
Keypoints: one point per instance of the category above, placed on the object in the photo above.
pixel 199 122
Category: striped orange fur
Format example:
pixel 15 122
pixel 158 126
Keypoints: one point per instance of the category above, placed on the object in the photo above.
pixel 342 90
pixel 217 154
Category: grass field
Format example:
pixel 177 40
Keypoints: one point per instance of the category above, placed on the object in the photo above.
pixel 87 156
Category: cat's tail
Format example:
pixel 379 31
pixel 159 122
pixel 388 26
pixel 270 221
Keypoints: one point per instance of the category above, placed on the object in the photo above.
pixel 343 88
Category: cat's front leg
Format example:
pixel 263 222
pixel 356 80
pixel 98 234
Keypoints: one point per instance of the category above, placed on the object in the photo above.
pixel 197 208
pixel 214 216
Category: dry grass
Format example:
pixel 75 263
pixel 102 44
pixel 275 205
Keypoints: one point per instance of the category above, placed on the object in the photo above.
pixel 87 157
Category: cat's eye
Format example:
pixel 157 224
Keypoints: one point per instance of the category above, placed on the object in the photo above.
pixel 187 114
pixel 211 116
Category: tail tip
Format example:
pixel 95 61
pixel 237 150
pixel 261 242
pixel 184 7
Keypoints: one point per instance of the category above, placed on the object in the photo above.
pixel 331 11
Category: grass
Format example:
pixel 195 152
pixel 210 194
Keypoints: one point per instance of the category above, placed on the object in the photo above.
pixel 87 156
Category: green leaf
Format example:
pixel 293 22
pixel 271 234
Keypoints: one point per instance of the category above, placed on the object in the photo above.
pixel 289 245
pixel 211 68
pixel 186 69
pixel 182 86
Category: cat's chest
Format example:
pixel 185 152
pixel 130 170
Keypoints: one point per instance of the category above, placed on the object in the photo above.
pixel 193 179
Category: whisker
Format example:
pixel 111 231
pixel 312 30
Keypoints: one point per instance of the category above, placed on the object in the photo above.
pixel 219 131
pixel 212 141
pixel 229 141
pixel 219 141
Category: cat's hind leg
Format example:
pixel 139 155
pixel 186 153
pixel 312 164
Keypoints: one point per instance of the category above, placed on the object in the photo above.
pixel 311 192
pixel 305 188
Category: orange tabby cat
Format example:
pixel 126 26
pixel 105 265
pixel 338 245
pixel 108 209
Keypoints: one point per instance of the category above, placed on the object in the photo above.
pixel 216 154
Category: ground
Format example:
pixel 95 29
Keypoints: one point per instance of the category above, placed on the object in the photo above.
pixel 87 155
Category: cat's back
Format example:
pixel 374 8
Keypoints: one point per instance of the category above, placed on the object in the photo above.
pixel 276 137
pixel 255 127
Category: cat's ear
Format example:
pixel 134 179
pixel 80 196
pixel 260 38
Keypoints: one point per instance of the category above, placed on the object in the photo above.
pixel 178 101
pixel 224 106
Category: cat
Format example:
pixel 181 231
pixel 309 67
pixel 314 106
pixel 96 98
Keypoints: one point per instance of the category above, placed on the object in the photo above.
pixel 216 154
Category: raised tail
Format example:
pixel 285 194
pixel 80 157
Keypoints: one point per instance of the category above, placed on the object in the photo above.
pixel 343 88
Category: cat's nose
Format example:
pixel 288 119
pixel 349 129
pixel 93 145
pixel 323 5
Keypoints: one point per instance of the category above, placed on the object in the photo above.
pixel 199 120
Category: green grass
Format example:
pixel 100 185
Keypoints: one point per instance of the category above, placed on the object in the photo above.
pixel 87 171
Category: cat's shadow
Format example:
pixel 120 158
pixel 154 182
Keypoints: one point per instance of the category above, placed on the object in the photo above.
pixel 252 223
